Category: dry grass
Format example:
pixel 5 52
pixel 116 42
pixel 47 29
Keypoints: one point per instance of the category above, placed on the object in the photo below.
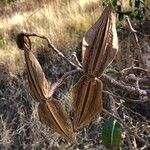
pixel 64 22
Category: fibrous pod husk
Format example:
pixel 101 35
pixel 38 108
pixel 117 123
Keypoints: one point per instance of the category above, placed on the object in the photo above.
pixel 100 44
pixel 99 48
pixel 50 112
pixel 36 78
pixel 87 100
pixel 53 114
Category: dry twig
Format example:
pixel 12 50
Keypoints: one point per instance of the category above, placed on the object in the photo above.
pixel 124 98
pixel 50 45
pixel 139 50
pixel 59 82
pixel 126 70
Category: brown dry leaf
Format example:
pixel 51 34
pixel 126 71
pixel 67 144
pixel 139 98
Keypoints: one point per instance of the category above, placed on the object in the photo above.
pixel 54 115
pixel 100 46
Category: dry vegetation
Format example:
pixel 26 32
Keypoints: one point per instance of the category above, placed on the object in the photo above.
pixel 65 23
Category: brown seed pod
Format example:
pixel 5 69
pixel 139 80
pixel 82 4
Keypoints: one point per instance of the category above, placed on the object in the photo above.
pixel 88 103
pixel 53 114
pixel 99 48
pixel 36 78
pixel 50 112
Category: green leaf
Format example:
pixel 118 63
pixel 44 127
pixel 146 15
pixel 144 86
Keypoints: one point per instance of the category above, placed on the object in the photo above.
pixel 111 134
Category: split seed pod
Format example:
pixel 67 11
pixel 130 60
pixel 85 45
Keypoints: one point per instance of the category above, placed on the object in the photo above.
pixel 36 78
pixel 54 115
pixel 99 48
pixel 50 112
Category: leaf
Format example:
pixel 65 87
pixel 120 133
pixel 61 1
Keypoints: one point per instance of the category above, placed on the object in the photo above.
pixel 111 134
pixel 111 71
pixel 54 115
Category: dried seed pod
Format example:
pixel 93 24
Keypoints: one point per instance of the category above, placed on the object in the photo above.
pixel 36 78
pixel 53 114
pixel 100 44
pixel 87 97
pixel 50 112
pixel 99 48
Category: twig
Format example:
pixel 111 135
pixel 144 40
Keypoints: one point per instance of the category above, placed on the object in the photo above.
pixel 123 98
pixel 137 114
pixel 59 82
pixel 128 128
pixel 53 47
pixel 139 50
pixel 34 12
pixel 126 70
pixel 76 59
pixel 130 90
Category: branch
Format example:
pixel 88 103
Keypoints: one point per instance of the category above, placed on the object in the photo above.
pixel 59 82
pixel 139 50
pixel 126 70
pixel 50 45
pixel 130 90
pixel 123 98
